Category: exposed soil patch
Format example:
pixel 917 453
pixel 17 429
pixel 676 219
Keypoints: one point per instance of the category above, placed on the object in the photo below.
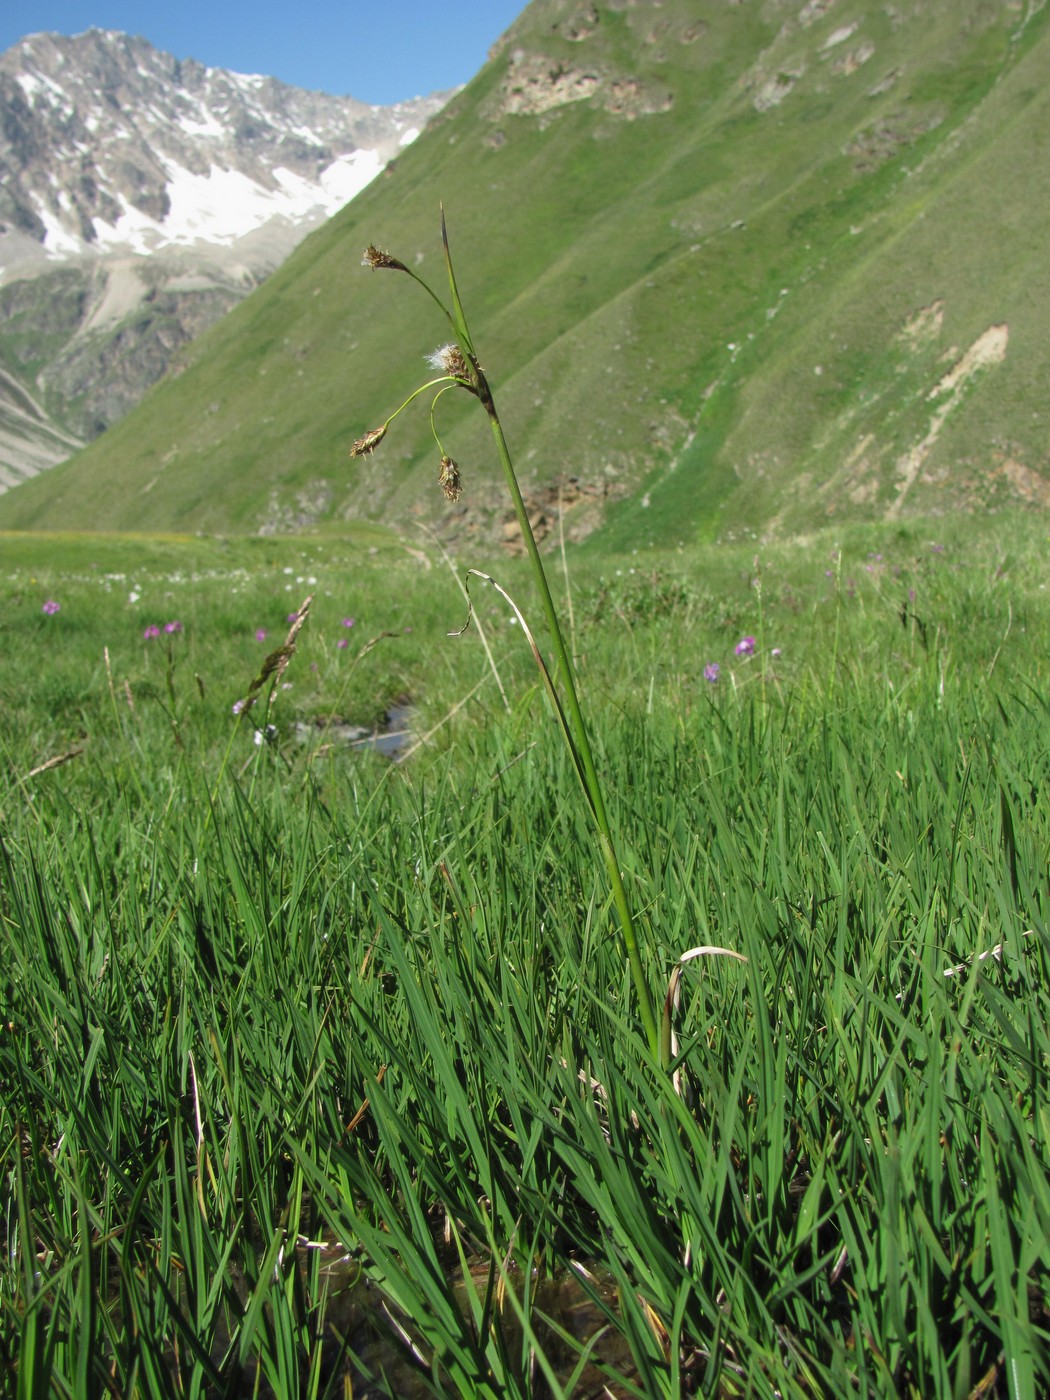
pixel 535 84
pixel 988 349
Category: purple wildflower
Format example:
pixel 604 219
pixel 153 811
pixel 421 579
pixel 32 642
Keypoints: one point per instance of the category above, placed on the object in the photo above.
pixel 237 706
pixel 292 617
pixel 173 627
pixel 151 631
pixel 348 621
pixel 260 634
pixel 745 646
pixel 342 642
pixel 712 671
pixel 51 607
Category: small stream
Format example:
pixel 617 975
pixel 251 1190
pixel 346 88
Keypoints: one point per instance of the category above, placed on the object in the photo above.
pixel 392 738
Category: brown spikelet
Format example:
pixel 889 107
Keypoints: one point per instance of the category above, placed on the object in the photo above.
pixel 449 480
pixel 375 258
pixel 288 649
pixel 55 762
pixel 457 364
pixel 276 663
pixel 365 446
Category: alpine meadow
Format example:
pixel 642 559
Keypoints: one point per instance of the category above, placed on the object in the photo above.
pixel 524 846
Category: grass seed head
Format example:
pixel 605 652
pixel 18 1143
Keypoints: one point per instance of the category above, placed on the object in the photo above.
pixel 365 446
pixel 449 480
pixel 375 258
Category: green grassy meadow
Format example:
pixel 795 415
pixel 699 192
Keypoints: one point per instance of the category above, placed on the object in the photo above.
pixel 321 1074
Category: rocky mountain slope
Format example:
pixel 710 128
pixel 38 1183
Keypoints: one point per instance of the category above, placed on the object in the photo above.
pixel 140 198
pixel 731 268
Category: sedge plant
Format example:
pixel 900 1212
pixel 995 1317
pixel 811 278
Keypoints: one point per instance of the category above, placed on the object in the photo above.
pixel 459 367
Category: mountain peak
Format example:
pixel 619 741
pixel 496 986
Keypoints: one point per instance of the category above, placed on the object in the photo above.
pixel 141 197
pixel 111 145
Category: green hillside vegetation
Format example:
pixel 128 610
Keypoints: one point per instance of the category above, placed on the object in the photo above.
pixel 729 268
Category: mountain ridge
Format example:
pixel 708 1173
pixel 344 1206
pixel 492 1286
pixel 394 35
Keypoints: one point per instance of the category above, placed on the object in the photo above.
pixel 141 196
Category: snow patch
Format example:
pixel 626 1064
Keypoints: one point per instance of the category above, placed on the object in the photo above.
pixel 307 133
pixel 207 126
pixel 225 205
pixel 241 80
pixel 58 241
pixel 40 88
pixel 348 175
pixel 133 230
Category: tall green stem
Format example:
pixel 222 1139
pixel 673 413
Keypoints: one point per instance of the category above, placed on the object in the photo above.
pixel 468 373
pixel 580 734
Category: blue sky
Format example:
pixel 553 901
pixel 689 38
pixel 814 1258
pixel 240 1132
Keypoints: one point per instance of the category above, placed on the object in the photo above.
pixel 379 51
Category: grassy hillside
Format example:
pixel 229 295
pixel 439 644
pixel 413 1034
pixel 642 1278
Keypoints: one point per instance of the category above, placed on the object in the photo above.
pixel 730 268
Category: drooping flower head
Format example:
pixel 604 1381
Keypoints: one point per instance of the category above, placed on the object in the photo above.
pixel 365 446
pixel 449 480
